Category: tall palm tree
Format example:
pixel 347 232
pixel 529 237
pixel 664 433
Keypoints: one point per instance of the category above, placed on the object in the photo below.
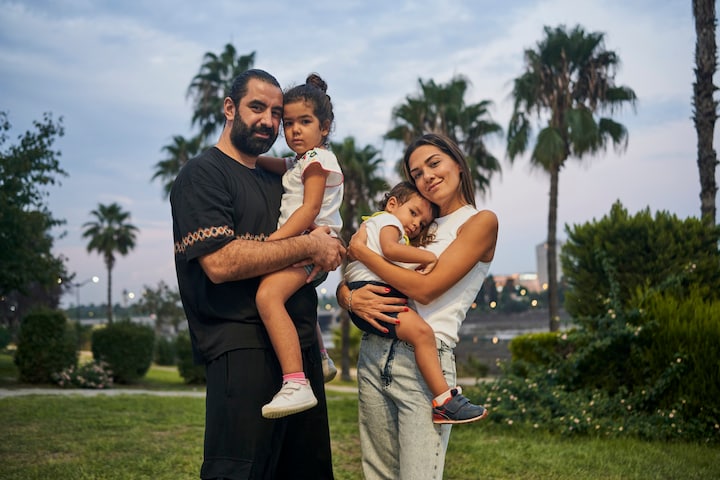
pixel 569 80
pixel 109 234
pixel 209 87
pixel 705 105
pixel 178 153
pixel 362 184
pixel 441 108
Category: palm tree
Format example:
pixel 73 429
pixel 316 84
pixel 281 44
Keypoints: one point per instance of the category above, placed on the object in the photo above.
pixel 705 111
pixel 442 109
pixel 569 80
pixel 209 87
pixel 178 153
pixel 362 184
pixel 109 234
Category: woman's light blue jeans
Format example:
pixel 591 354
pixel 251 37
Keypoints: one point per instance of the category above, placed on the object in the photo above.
pixel 397 436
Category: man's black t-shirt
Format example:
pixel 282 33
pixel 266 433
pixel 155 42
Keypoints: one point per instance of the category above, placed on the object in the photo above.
pixel 214 200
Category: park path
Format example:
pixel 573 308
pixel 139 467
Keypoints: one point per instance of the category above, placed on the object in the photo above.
pixel 88 392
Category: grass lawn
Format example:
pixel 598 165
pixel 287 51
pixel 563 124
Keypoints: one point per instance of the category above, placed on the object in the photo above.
pixel 150 437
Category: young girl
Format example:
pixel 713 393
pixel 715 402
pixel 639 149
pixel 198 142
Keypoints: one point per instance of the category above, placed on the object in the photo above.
pixel 313 183
pixel 396 232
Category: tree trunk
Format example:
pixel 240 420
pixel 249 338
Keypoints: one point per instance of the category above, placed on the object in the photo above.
pixel 553 297
pixel 705 106
pixel 109 295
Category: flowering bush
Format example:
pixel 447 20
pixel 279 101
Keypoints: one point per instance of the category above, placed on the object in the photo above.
pixel 90 375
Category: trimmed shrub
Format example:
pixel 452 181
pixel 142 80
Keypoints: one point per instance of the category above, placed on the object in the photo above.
pixel 5 337
pixel 127 349
pixel 189 371
pixel 46 345
pixel 614 256
pixel 165 351
pixel 543 348
pixel 683 335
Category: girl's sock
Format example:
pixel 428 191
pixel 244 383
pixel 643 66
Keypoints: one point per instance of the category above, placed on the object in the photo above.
pixel 442 398
pixel 297 377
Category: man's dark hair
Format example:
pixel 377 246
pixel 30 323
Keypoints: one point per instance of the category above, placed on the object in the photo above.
pixel 239 87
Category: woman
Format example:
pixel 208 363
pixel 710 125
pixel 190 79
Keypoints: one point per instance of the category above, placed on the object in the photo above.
pixel 397 434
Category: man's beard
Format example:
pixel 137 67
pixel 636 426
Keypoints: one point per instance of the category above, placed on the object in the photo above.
pixel 243 138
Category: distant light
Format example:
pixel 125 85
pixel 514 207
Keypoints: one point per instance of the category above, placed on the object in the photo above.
pixel 493 304
pixel 534 303
pixel 95 279
pixel 328 306
pixel 323 290
pixel 544 286
pixel 473 306
pixel 495 340
pixel 131 295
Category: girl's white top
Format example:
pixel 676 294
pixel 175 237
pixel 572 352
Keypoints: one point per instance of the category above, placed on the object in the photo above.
pixel 293 183
pixel 446 313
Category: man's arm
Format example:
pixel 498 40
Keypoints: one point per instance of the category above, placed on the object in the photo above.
pixel 241 259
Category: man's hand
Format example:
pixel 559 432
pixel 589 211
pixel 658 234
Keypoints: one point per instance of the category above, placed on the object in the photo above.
pixel 328 251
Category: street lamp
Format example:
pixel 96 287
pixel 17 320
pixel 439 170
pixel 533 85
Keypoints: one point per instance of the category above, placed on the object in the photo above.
pixel 76 286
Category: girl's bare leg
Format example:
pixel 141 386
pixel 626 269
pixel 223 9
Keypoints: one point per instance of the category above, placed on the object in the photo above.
pixel 274 290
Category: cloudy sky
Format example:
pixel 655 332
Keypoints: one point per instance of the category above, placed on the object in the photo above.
pixel 117 72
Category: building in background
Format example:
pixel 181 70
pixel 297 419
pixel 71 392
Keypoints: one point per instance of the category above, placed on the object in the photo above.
pixel 542 266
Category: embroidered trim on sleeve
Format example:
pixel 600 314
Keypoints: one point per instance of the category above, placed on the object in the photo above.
pixel 202 234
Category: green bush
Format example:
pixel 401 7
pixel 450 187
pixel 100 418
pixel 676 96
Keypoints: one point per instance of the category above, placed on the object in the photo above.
pixel 5 337
pixel 126 347
pixel 642 360
pixel 650 371
pixel 191 373
pixel 46 345
pixel 165 351
pixel 618 254
pixel 543 348
pixel 684 335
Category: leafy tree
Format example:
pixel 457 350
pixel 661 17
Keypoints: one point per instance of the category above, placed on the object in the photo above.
pixel 362 185
pixel 705 105
pixel 441 108
pixel 109 234
pixel 207 90
pixel 29 271
pixel 569 80
pixel 615 256
pixel 178 153
pixel 164 304
pixel 209 87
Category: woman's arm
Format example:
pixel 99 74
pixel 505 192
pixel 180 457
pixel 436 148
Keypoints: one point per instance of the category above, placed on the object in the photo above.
pixel 475 243
pixel 303 218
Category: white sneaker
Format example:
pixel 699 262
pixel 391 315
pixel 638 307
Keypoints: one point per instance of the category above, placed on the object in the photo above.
pixel 328 367
pixel 293 397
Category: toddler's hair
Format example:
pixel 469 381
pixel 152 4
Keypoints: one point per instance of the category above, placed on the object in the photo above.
pixel 404 191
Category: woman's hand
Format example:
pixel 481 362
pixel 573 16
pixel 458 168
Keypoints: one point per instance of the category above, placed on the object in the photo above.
pixel 368 303
pixel 357 242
